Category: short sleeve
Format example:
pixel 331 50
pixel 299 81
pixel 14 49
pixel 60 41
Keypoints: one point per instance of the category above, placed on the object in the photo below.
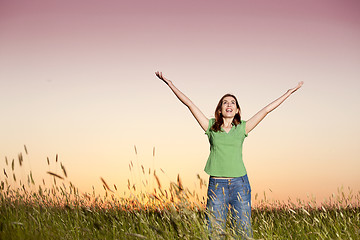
pixel 211 123
pixel 243 127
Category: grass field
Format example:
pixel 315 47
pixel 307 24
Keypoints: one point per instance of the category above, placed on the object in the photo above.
pixel 60 211
pixel 38 216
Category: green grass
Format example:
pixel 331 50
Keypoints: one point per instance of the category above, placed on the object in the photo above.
pixel 62 212
pixel 48 215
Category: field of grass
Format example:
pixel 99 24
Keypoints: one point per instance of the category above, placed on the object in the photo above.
pixel 60 211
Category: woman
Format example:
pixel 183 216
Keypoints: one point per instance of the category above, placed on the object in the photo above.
pixel 228 183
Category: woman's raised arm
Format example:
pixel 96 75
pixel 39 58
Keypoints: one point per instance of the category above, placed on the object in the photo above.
pixel 256 119
pixel 199 116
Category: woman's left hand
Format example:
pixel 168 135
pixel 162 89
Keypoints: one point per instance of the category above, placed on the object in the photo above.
pixel 292 90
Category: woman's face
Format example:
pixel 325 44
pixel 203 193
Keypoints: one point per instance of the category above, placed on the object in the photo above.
pixel 228 107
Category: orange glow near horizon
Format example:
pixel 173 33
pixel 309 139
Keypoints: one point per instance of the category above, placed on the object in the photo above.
pixel 77 79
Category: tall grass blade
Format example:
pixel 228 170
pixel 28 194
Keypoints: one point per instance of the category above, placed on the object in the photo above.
pixel 180 185
pixel 63 169
pixel 157 180
pixel 20 157
pixel 106 185
pixel 135 149
pixel 55 175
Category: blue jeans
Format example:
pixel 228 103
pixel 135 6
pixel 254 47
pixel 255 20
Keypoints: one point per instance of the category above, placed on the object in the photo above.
pixel 233 194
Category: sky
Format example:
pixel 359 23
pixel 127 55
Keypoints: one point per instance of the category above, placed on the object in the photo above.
pixel 77 79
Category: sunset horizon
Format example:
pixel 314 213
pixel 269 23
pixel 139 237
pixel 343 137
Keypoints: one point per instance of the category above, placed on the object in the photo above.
pixel 77 81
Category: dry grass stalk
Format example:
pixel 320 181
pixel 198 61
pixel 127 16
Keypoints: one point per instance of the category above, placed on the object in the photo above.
pixel 155 196
pixel 5 173
pixel 157 180
pixel 180 185
pixel 55 175
pixel 135 149
pixel 136 235
pixel 201 181
pixel 25 148
pixel 172 197
pixel 106 185
pixel 86 196
pixel 20 157
pixel 63 169
pixel 143 170
pixel 31 178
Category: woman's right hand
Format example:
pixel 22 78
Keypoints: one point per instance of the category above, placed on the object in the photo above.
pixel 160 75
pixel 199 116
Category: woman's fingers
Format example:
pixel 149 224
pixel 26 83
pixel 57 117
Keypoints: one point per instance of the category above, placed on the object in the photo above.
pixel 159 75
pixel 297 87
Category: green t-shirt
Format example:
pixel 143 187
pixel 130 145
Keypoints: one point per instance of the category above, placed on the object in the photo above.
pixel 225 159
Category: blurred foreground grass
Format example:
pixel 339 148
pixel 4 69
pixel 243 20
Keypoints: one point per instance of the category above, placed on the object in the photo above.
pixel 60 211
pixel 40 218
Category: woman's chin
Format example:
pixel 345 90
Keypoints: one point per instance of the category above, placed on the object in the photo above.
pixel 228 115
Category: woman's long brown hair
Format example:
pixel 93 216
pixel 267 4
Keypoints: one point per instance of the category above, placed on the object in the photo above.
pixel 218 116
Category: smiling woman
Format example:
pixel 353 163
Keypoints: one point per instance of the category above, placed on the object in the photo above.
pixel 228 183
pixel 228 107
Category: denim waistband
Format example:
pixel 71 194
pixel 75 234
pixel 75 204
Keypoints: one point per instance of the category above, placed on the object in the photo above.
pixel 229 180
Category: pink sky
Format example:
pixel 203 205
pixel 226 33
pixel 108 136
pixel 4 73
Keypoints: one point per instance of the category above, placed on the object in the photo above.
pixel 76 78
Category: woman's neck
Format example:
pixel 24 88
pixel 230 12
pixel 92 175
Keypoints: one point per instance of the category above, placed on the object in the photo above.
pixel 227 122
